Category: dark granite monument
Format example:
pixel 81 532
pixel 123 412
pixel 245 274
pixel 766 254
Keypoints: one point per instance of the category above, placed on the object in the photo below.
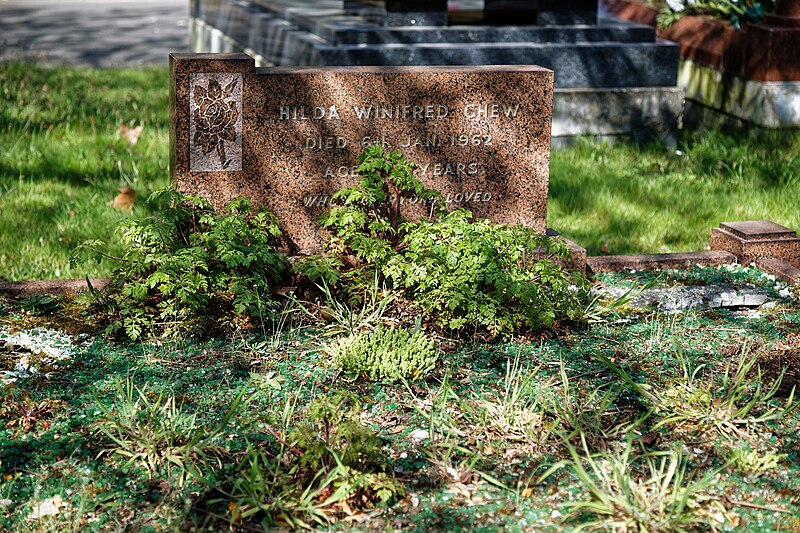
pixel 289 137
pixel 401 12
pixel 542 12
pixel 611 77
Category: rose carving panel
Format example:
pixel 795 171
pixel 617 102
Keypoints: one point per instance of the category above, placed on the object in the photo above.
pixel 215 122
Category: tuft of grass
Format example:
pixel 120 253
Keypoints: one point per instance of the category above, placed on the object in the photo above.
pixel 732 405
pixel 151 430
pixel 654 492
pixel 342 319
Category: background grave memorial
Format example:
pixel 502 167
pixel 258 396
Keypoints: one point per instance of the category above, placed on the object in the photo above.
pixel 289 137
pixel 612 77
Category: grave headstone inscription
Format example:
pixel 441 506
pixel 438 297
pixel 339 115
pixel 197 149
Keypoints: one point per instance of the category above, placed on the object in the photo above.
pixel 289 137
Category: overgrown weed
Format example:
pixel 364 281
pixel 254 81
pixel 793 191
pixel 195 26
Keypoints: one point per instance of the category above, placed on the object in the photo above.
pixel 653 491
pixel 731 405
pixel 151 430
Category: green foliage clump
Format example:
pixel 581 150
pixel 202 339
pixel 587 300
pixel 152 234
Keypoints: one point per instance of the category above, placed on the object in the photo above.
pixel 368 222
pixel 754 462
pixel 328 460
pixel 189 268
pixel 458 272
pixel 39 304
pixel 386 354
pixel 463 272
pixel 333 427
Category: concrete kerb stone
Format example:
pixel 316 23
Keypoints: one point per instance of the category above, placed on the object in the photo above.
pixel 780 269
pixel 618 263
pixel 16 289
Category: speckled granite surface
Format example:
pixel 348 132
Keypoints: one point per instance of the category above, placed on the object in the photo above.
pixel 480 135
pixel 757 239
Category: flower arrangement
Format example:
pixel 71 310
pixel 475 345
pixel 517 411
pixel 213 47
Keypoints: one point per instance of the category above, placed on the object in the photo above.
pixel 737 12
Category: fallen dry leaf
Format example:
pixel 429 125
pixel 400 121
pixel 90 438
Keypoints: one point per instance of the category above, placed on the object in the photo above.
pixel 124 200
pixel 49 507
pixel 131 134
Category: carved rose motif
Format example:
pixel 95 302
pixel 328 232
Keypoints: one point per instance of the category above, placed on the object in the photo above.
pixel 215 118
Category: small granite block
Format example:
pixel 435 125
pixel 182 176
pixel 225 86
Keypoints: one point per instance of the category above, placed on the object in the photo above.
pixel 757 239
pixel 288 138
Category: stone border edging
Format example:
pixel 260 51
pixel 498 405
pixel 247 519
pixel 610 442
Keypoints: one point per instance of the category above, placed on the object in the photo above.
pixel 780 269
pixel 617 263
pixel 54 286
pixel 757 241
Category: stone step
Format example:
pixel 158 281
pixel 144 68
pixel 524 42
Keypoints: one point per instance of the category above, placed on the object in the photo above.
pixel 336 27
pixel 595 65
pixel 353 32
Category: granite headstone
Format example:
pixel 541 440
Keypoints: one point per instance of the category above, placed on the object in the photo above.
pixel 289 137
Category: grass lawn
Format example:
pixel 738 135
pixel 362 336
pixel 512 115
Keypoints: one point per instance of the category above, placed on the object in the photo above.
pixel 62 159
pixel 643 416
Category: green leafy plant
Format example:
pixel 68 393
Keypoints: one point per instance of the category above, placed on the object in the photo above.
pixel 189 268
pixel 653 493
pixel 369 222
pixel 736 11
pixel 495 277
pixel 386 354
pixel 458 272
pixel 753 462
pixel 39 305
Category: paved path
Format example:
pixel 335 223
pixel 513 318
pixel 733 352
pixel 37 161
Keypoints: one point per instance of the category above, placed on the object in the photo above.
pixel 98 33
pixel 103 33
